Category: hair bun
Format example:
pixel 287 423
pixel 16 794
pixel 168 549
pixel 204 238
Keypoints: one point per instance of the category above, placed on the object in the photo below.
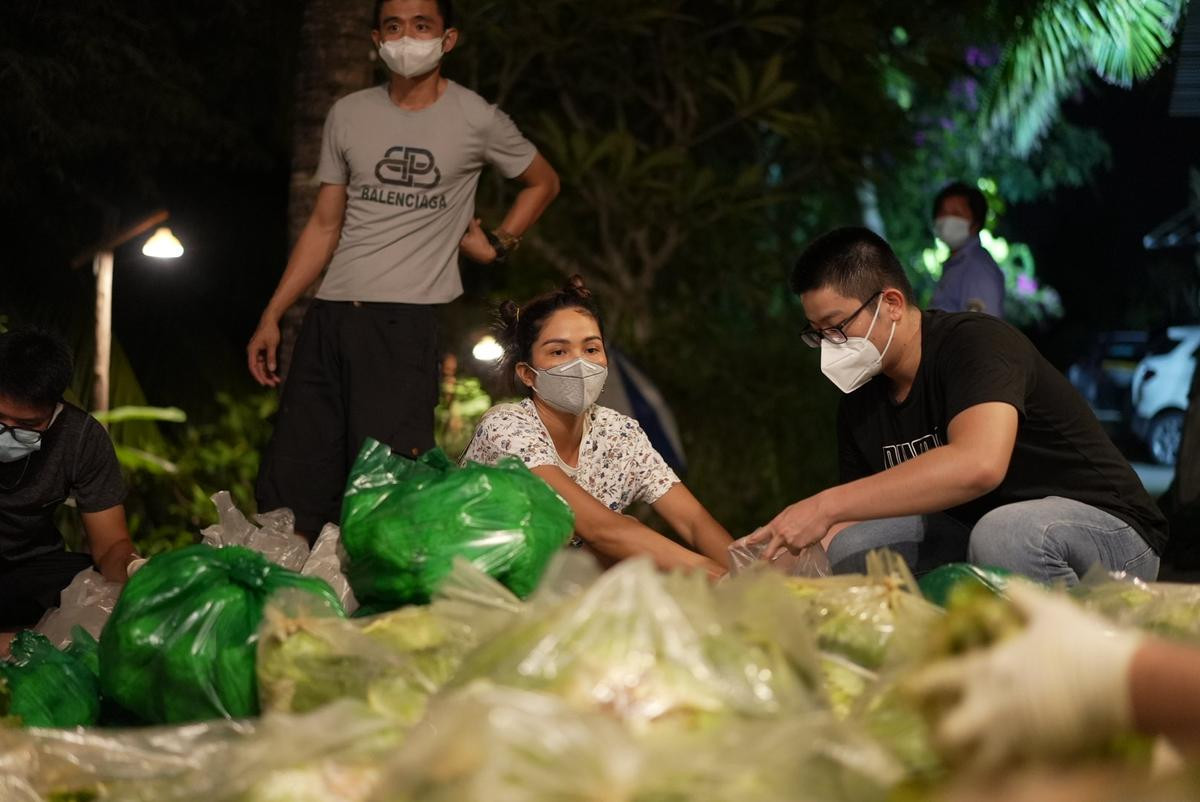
pixel 576 286
pixel 509 313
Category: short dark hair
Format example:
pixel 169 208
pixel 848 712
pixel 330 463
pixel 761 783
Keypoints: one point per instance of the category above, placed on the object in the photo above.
pixel 854 261
pixel 445 8
pixel 975 199
pixel 35 367
pixel 519 326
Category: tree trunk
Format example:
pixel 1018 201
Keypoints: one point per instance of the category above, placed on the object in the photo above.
pixel 333 60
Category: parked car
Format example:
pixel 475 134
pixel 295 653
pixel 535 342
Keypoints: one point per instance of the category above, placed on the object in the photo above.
pixel 1160 391
pixel 1104 373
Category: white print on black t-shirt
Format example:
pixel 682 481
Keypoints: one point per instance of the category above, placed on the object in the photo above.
pixel 903 452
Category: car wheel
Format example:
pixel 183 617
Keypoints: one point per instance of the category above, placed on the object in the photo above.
pixel 1164 436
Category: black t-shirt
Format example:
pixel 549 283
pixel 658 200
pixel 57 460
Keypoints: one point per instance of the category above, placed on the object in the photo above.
pixel 968 358
pixel 77 461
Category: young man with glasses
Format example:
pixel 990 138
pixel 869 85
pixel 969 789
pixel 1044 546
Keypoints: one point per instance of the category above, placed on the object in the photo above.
pixel 51 451
pixel 957 439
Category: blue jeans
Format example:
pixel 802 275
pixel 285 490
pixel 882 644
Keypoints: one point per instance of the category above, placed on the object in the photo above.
pixel 1049 540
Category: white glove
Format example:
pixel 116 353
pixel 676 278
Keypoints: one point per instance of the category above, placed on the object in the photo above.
pixel 1061 684
pixel 133 565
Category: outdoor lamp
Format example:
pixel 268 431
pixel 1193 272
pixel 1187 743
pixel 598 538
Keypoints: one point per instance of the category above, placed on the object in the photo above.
pixel 163 245
pixel 487 349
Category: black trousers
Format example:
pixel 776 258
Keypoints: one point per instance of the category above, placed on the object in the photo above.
pixel 28 588
pixel 358 370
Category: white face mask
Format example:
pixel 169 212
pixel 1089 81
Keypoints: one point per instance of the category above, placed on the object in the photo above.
pixel 852 364
pixel 952 230
pixel 13 449
pixel 411 57
pixel 572 386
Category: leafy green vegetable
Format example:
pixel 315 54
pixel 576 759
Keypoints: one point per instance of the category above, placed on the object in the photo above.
pixel 647 647
pixel 394 661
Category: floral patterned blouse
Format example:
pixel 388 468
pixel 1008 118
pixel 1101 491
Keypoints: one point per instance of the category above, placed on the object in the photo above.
pixel 617 464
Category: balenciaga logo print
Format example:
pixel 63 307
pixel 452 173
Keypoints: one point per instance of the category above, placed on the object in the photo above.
pixel 408 167
pixel 414 168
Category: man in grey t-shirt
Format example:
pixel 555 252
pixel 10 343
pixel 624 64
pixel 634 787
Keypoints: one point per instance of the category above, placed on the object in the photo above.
pixel 398 170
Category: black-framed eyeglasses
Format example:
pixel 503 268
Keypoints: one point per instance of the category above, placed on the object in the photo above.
pixel 26 437
pixel 834 334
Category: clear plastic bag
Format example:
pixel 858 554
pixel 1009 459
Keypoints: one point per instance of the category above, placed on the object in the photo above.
pixel 328 561
pixel 647 647
pixel 87 602
pixel 490 744
pixel 334 754
pixel 1164 608
pixel 811 561
pixel 493 744
pixel 874 620
pixel 275 537
pixel 809 757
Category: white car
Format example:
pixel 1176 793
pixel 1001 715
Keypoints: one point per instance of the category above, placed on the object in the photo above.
pixel 1160 389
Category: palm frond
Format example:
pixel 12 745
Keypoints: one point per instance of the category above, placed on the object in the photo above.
pixel 1131 37
pixel 1122 41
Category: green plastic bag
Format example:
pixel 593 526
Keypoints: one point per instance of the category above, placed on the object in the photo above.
pixel 181 641
pixel 48 687
pixel 404 522
pixel 938 583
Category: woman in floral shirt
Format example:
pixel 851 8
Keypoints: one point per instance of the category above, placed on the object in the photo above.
pixel 597 459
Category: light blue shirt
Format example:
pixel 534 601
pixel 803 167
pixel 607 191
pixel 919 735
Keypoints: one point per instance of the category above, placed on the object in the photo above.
pixel 970 277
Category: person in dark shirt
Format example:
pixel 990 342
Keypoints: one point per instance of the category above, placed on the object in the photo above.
pixel 957 439
pixel 51 451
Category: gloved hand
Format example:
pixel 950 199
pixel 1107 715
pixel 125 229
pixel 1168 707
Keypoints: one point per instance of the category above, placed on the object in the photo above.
pixel 1060 685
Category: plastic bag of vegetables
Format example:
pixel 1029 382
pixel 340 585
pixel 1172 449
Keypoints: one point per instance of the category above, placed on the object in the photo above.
pixel 334 754
pixel 491 744
pixel 307 656
pixel 938 584
pixel 41 686
pixel 404 522
pixel 874 620
pixel 649 647
pixel 180 645
pixel 1164 608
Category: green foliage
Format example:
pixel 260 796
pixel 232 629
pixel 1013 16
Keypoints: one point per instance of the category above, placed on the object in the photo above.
pixel 463 402
pixel 673 124
pixel 1059 44
pixel 947 146
pixel 170 489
